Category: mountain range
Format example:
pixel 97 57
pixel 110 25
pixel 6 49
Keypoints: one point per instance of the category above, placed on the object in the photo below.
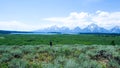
pixel 92 28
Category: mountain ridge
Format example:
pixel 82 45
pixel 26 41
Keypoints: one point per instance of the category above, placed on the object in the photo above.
pixel 92 28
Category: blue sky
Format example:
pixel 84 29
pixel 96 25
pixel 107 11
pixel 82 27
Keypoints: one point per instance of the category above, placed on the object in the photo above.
pixel 37 14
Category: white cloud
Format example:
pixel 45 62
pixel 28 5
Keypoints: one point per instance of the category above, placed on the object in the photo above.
pixel 15 25
pixel 107 19
pixel 20 26
pixel 82 19
pixel 73 20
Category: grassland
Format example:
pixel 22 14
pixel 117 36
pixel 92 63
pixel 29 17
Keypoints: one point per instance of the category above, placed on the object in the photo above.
pixel 87 39
pixel 68 51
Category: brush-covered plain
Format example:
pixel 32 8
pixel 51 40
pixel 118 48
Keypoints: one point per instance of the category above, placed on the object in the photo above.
pixel 68 51
pixel 60 56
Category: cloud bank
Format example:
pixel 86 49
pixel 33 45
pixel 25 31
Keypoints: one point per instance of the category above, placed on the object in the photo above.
pixel 20 26
pixel 104 19
pixel 14 25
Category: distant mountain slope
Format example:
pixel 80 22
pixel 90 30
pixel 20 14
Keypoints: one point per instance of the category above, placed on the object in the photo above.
pixel 95 29
pixel 76 29
pixel 9 32
pixel 116 29
pixel 4 32
pixel 55 29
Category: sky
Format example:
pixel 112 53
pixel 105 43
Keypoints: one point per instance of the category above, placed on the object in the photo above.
pixel 29 15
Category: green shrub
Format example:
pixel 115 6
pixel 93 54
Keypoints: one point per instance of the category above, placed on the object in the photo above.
pixel 70 63
pixel 17 63
pixel 90 64
pixel 34 65
pixel 113 64
pixel 6 57
pixel 16 53
pixel 28 49
pixel 3 65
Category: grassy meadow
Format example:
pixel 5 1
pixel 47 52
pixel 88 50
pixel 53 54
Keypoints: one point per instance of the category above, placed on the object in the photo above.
pixel 68 51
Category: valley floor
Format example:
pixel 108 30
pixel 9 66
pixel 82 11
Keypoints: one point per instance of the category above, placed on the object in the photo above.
pixel 87 39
